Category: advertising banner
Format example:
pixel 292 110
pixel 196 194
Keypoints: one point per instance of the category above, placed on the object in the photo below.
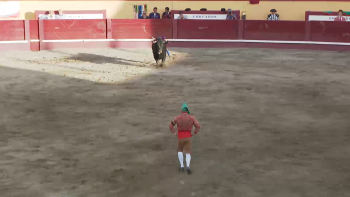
pixel 203 16
pixel 325 18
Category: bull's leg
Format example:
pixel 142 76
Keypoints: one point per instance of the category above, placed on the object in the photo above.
pixel 157 62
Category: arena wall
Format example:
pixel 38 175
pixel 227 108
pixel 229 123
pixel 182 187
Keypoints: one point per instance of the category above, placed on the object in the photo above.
pixel 53 34
pixel 123 9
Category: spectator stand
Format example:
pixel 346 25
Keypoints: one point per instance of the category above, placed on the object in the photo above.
pixel 324 16
pixel 204 15
pixel 76 14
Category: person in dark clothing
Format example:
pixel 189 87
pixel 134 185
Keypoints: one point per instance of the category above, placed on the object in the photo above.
pixel 231 15
pixel 273 16
pixel 166 14
pixel 154 14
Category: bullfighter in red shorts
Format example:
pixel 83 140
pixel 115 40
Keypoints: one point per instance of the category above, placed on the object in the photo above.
pixel 185 123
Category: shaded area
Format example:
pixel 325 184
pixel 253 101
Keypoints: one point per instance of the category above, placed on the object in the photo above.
pixel 99 59
pixel 275 123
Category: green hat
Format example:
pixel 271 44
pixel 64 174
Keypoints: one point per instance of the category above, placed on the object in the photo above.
pixel 184 108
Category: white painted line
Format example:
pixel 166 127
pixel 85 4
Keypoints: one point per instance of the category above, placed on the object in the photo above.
pixel 63 41
pixel 34 40
pixel 98 40
pixel 259 41
pixel 134 40
pixel 101 40
pixel 13 42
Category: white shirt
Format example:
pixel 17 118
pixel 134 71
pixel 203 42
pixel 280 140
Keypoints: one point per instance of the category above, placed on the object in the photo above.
pixel 49 17
pixel 185 17
pixel 273 17
pixel 60 17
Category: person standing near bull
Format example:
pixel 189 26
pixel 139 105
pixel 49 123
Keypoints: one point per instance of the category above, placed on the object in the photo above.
pixel 185 123
pixel 154 14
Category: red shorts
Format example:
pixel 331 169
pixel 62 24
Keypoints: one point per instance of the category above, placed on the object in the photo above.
pixel 184 134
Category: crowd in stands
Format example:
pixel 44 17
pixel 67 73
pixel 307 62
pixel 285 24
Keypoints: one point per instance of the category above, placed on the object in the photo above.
pixel 53 15
pixel 167 15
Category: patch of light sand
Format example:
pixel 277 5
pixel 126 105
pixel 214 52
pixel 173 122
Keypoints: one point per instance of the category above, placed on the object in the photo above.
pixel 98 65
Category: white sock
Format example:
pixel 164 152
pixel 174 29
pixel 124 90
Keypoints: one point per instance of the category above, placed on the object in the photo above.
pixel 188 160
pixel 181 159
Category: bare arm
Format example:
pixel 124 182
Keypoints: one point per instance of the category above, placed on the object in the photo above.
pixel 172 125
pixel 196 124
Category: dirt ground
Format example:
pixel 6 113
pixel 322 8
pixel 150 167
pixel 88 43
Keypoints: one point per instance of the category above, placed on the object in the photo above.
pixel 94 123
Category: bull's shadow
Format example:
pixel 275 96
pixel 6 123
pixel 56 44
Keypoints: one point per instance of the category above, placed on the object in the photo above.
pixel 100 59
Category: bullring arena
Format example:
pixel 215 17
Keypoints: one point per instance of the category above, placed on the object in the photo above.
pixel 90 118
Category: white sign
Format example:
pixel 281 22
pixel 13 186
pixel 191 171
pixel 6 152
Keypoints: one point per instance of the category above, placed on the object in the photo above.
pixel 325 18
pixel 75 16
pixel 203 16
pixel 9 9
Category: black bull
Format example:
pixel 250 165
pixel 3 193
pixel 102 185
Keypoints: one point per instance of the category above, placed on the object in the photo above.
pixel 159 50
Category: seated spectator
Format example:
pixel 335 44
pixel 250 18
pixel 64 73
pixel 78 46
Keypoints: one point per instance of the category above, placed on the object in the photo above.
pixel 182 16
pixel 166 14
pixel 144 15
pixel 273 16
pixel 340 17
pixel 60 14
pixel 51 15
pixel 154 14
pixel 231 15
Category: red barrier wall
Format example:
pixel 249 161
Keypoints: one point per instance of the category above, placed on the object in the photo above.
pixel 11 30
pixel 43 34
pixel 74 29
pixel 34 35
pixel 207 29
pixel 274 30
pixel 34 29
pixel 141 29
pixel 330 31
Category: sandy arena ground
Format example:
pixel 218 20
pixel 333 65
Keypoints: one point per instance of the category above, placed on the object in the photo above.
pixel 94 123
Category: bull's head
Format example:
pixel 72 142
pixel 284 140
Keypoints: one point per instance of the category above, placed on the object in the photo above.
pixel 160 44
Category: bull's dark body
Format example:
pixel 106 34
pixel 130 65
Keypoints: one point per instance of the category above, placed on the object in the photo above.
pixel 159 46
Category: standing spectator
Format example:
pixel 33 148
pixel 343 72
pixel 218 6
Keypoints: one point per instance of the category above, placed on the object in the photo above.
pixel 144 15
pixel 182 16
pixel 273 16
pixel 60 14
pixel 231 15
pixel 340 16
pixel 154 14
pixel 166 14
pixel 51 15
